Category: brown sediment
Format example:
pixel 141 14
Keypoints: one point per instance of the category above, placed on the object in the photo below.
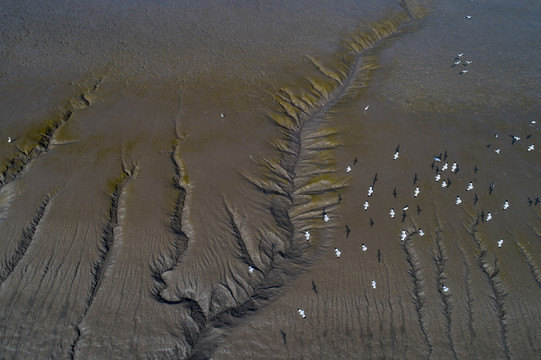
pixel 112 233
pixel 491 273
pixel 27 237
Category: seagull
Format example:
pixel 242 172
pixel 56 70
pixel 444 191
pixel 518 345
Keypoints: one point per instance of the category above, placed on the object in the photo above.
pixel 468 17
pixel 301 313
pixel 467 62
pixel 416 192
pixel 366 205
pixel 405 208
pixel 348 230
pixel 363 247
pixel 418 210
pixel 337 252
pixel 348 169
pixel 9 139
pixel 366 107
pixel 222 115
pixel 443 184
pixel 438 177
pixel 314 287
pixel 373 284
pixel 325 218
pixel 444 167
pixel 458 200
pixel 515 139
pixel 370 191
pixel 250 269
pixel 463 72
pixel 445 288
pixel 505 205
pixel 415 179
pixel 421 232
pixel 456 63
pixel 470 186
pixel 403 235
pixel 460 55
pixel 371 222
pixel 391 213
pixel 454 167
pixel 395 156
pixel 500 243
pixel 437 158
pixel 531 147
pixel 394 193
pixel 307 235
pixel 497 151
pixel 489 216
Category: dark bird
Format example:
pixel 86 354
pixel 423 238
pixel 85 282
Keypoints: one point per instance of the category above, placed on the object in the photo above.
pixel 379 255
pixel 536 201
pixel 491 188
pixel 348 230
pixel 394 193
pixel 397 148
pixel 530 201
pixel 475 169
pixel 339 198
pixel 475 199
pixel 283 336
pixel 415 178
pixel 445 155
pixel 418 210
pixel 375 179
pixel 371 222
pixel 314 287
pixel 355 161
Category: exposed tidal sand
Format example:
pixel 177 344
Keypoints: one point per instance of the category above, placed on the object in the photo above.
pixel 155 202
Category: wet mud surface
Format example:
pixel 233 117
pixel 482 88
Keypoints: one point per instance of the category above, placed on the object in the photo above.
pixel 217 181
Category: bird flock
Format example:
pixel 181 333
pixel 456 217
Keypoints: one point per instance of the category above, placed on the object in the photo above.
pixel 444 172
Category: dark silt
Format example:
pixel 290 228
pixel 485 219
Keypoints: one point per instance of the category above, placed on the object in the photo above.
pixel 184 180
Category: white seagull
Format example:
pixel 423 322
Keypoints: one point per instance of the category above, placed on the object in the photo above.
pixel 337 252
pixel 301 313
pixel 438 177
pixel 468 17
pixel 366 107
pixel 307 235
pixel 531 147
pixel 497 151
pixel 395 156
pixel 421 232
pixel 373 284
pixel 505 205
pixel 453 167
pixel 250 269
pixel 445 288
pixel 364 248
pixel 391 213
pixel 489 216
pixel 325 218
pixel 9 139
pixel 403 235
pixel 470 186
pixel 370 191
pixel 366 205
pixel 348 169
pixel 458 200
pixel 443 184
pixel 460 55
pixel 416 192
pixel 500 243
pixel 444 167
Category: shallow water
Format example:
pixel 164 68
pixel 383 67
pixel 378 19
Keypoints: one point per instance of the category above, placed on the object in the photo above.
pixel 151 168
